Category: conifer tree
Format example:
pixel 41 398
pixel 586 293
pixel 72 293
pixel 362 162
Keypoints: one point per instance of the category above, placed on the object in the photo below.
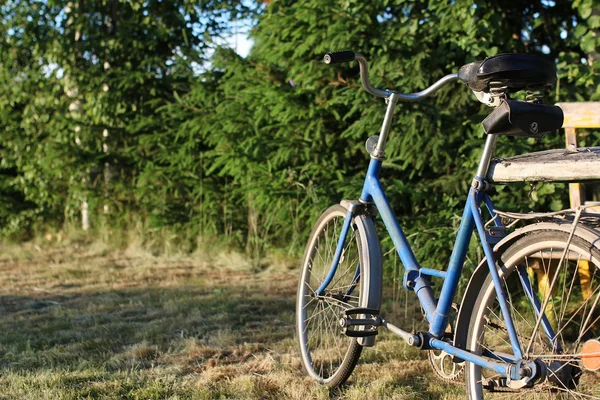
pixel 287 132
pixel 118 103
pixel 83 84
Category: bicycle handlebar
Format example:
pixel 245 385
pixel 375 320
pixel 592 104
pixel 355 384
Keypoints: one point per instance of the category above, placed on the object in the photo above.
pixel 339 57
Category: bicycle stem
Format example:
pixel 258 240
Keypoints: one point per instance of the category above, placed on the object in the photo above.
pixel 385 128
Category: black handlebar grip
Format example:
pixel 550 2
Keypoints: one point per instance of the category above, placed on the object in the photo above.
pixel 338 57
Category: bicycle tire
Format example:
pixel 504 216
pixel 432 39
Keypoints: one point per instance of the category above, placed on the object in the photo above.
pixel 540 253
pixel 327 355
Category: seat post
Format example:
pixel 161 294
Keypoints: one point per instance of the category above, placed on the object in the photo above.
pixel 486 156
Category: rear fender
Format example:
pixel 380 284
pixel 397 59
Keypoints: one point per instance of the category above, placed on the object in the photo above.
pixel 481 272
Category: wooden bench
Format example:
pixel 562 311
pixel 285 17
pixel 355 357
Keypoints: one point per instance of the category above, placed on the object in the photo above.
pixel 561 165
pixel 573 165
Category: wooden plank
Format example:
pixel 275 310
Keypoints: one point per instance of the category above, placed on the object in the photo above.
pixel 557 165
pixel 595 207
pixel 576 194
pixel 576 190
pixel 571 138
pixel 581 114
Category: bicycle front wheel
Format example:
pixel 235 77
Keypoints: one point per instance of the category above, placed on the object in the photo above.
pixel 572 312
pixel 329 356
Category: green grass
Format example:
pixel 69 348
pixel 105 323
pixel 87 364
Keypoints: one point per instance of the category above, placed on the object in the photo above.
pixel 80 321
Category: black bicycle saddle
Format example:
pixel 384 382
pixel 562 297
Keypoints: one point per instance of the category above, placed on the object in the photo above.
pixel 516 71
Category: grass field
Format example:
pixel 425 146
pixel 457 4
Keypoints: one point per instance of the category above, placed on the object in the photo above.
pixel 80 321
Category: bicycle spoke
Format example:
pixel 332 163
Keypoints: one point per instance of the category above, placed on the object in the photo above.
pixel 498 319
pixel 583 328
pixel 509 303
pixel 341 277
pixel 578 309
pixel 565 303
pixel 309 302
pixel 334 320
pixel 315 314
pixel 349 269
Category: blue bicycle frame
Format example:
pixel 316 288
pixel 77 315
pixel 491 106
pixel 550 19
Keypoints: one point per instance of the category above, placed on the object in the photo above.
pixel 417 278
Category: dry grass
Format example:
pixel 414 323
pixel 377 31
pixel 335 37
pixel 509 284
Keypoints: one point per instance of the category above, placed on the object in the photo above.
pixel 80 321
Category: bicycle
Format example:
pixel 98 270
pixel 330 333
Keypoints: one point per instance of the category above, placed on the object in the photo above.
pixel 513 337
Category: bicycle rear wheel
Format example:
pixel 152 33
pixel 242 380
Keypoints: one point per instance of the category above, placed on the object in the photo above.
pixel 329 356
pixel 573 312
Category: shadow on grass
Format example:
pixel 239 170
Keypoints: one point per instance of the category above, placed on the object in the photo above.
pixel 139 327
pixel 171 330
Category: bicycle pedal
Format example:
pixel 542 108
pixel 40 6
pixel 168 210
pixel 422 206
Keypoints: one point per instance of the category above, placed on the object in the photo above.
pixel 360 322
pixel 361 310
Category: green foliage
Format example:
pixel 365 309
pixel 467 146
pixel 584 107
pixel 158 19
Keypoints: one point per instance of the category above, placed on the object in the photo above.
pixel 81 86
pixel 285 119
pixel 255 148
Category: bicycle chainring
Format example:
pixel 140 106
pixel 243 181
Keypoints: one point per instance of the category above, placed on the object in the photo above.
pixel 441 362
pixel 444 367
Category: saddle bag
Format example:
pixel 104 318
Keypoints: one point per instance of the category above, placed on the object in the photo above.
pixel 520 118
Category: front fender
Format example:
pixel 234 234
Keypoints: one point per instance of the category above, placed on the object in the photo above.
pixel 372 281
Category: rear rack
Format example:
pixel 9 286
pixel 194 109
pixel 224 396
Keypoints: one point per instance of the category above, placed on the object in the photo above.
pixel 589 215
